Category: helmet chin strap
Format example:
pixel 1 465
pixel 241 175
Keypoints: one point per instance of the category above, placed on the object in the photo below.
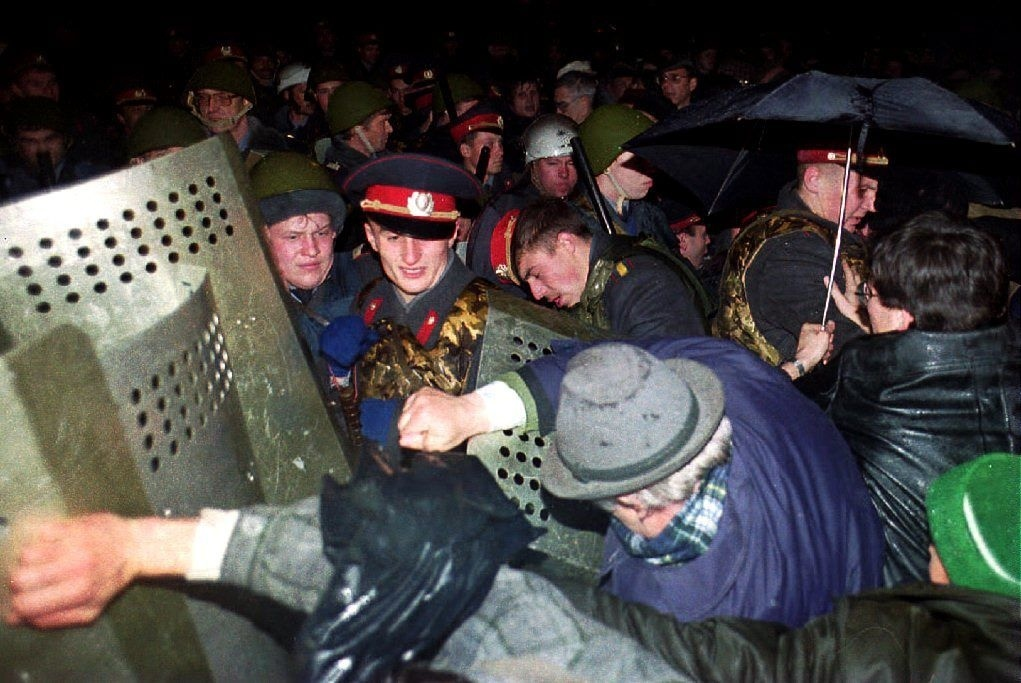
pixel 232 121
pixel 360 132
pixel 621 194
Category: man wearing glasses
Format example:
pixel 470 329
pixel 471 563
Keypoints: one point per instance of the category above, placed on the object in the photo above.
pixel 221 94
pixel 936 384
pixel 574 94
pixel 677 81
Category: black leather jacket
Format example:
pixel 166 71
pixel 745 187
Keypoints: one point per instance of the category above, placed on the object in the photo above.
pixel 913 405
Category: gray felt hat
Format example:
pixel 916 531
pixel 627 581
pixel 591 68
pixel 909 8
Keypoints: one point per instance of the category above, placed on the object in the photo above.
pixel 627 420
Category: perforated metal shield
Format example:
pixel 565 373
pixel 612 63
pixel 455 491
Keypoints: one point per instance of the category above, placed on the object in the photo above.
pixel 517 332
pixel 148 365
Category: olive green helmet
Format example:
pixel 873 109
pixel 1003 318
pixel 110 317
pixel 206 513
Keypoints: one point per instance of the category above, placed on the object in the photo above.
pixel 163 127
pixel 290 184
pixel 462 88
pixel 224 75
pixel 605 131
pixel 352 103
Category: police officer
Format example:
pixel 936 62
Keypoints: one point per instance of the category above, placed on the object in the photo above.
pixel 43 155
pixel 614 282
pixel 624 180
pixel 428 308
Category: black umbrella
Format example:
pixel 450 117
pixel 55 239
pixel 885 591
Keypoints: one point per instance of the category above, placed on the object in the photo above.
pixel 737 148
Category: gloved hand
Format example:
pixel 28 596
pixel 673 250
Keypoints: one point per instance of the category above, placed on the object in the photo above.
pixel 344 341
pixel 378 417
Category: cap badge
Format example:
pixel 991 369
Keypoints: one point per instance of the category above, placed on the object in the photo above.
pixel 420 204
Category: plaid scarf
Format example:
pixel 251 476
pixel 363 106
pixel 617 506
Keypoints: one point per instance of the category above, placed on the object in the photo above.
pixel 692 529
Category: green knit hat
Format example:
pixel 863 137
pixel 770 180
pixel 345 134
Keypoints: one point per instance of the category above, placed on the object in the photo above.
pixel 289 184
pixel 605 131
pixel 975 520
pixel 163 127
pixel 224 75
pixel 352 103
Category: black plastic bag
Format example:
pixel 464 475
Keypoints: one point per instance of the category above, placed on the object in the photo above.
pixel 414 554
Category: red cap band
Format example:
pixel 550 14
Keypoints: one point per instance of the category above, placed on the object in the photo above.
pixel 838 156
pixel 500 246
pixel 411 203
pixel 680 225
pixel 134 95
pixel 489 121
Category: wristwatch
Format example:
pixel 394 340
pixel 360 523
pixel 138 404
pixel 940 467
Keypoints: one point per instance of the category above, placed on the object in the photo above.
pixel 798 366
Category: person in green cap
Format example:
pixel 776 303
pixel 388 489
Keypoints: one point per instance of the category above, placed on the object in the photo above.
pixel 160 131
pixel 221 94
pixel 624 180
pixel 358 115
pixel 303 212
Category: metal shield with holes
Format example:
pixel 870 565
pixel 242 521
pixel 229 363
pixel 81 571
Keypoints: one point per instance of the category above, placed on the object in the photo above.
pixel 518 331
pixel 148 365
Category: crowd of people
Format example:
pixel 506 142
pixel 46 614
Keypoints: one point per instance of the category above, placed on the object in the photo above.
pixel 784 448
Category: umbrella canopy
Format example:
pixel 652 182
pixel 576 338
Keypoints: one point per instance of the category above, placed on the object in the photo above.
pixel 737 148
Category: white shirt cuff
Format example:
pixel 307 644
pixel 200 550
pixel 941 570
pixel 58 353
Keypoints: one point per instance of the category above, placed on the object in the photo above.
pixel 212 535
pixel 504 408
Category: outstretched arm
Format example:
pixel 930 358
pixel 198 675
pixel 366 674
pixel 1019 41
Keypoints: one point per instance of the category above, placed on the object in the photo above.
pixel 64 571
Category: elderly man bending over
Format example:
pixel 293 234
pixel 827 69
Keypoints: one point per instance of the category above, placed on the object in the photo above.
pixel 731 493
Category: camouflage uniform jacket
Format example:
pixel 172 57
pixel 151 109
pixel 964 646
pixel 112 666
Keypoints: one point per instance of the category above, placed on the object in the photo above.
pixel 430 341
pixel 773 283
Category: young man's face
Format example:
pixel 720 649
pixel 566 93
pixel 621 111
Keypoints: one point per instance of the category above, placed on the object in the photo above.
pixel 471 151
pixel 525 100
pixel 558 275
pixel 324 90
pixel 554 176
pixel 31 143
pixel 694 247
pixel 677 86
pixel 861 195
pixel 302 249
pixel 377 130
pixel 633 174
pixel 412 264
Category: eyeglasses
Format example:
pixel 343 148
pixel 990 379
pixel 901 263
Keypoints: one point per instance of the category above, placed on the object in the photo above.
pixel 562 106
pixel 864 292
pixel 673 78
pixel 220 99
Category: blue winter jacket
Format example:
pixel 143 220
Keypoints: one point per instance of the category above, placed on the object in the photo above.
pixel 798 528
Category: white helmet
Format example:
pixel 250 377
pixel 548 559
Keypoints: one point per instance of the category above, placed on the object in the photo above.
pixel 549 136
pixel 291 75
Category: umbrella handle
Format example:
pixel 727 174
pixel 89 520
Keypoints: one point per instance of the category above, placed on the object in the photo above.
pixel 836 243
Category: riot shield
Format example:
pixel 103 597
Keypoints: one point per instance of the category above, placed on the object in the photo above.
pixel 148 365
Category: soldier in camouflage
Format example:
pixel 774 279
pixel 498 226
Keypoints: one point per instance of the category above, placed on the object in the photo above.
pixel 773 279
